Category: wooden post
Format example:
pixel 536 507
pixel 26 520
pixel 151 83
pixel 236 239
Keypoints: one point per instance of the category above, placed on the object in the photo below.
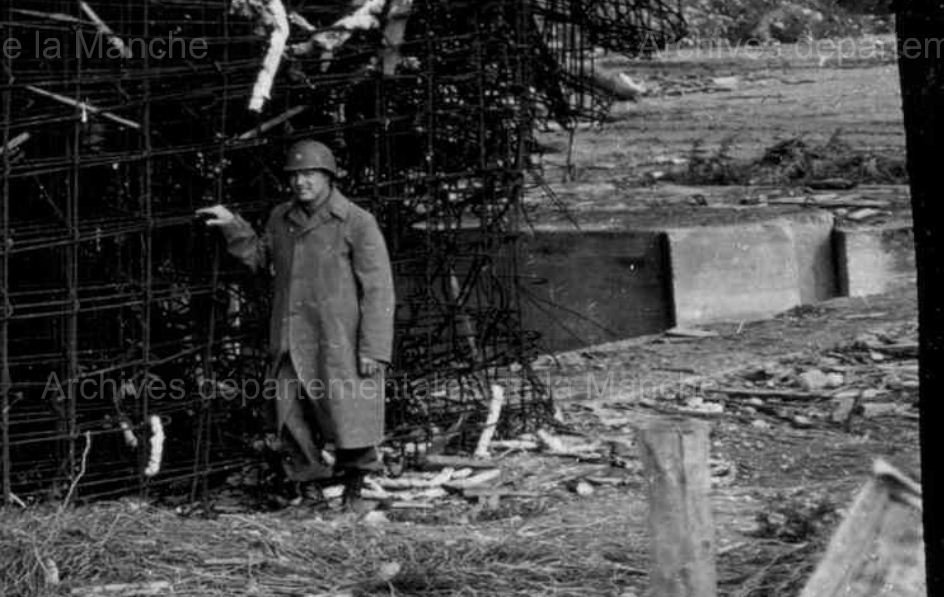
pixel 919 23
pixel 675 453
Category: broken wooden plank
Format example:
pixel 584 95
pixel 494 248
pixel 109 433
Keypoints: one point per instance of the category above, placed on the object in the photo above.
pixel 473 481
pixel 682 332
pixel 114 589
pixel 863 214
pixel 878 548
pixel 607 481
pixel 405 505
pixel 828 202
pixel 902 349
pixel 516 444
pixel 415 482
pixel 618 85
pixel 768 393
pixel 478 492
pixel 550 442
pixel 491 421
pixel 439 461
pixel 832 184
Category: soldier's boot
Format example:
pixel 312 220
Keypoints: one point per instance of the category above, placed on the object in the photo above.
pixel 313 496
pixel 352 499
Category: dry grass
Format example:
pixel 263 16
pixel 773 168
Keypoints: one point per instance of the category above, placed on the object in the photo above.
pixel 267 554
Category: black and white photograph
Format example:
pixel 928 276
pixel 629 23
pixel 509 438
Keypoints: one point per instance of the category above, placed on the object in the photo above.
pixel 388 298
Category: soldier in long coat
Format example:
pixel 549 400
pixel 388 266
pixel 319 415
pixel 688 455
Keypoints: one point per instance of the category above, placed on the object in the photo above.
pixel 331 327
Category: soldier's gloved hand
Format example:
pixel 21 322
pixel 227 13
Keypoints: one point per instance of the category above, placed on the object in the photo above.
pixel 369 367
pixel 216 215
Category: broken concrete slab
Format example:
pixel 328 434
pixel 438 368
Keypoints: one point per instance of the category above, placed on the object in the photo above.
pixel 751 270
pixel 872 260
pixel 732 272
pixel 843 409
pixel 879 409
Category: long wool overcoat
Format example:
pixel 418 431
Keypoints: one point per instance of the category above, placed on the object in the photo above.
pixel 333 302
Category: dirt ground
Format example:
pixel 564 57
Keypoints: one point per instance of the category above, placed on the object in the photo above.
pixel 783 469
pixel 797 90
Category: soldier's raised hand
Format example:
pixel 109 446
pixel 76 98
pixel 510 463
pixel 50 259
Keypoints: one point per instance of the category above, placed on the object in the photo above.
pixel 216 215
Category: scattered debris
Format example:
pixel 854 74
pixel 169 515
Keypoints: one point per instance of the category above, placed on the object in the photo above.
pixel 388 570
pixel 477 480
pixel 491 422
pixel 50 573
pixel 784 394
pixel 619 85
pixel 863 214
pixel 805 392
pixel 879 409
pixel 726 83
pixel 439 461
pixel 832 184
pixel 801 422
pixel 682 332
pixel 124 590
pixel 813 380
pixel 829 201
pixel 157 446
pixel 843 408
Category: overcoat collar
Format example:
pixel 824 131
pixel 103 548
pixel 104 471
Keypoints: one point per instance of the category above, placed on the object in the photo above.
pixel 336 205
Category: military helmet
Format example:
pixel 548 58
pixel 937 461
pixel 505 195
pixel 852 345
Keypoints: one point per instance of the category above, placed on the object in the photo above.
pixel 308 155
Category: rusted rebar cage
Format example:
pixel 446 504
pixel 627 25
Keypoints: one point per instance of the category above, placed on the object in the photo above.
pixel 124 320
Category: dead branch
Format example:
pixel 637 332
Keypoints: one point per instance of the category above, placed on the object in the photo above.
pixel 15 142
pixel 83 106
pixel 105 30
pixel 270 16
pixel 272 122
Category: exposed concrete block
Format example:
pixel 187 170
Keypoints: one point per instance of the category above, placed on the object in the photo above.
pixel 744 271
pixel 587 287
pixel 816 263
pixel 873 260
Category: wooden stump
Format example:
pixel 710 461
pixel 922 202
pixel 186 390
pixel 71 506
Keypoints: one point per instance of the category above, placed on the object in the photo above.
pixel 675 453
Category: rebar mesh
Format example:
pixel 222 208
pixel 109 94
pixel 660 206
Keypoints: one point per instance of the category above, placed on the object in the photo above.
pixel 119 306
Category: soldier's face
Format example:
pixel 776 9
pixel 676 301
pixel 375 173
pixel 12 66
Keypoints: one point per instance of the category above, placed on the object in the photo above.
pixel 310 185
